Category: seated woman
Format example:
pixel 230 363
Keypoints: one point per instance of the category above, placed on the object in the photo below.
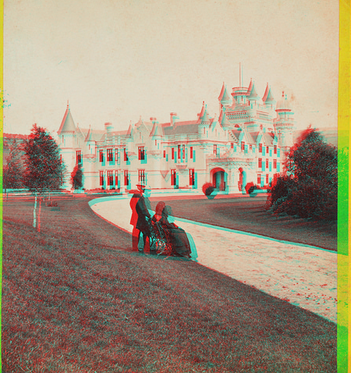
pixel 176 236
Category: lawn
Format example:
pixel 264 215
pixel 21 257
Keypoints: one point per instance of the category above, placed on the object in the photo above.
pixel 77 299
pixel 250 215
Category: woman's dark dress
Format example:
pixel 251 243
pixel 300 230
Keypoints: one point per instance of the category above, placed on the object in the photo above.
pixel 177 238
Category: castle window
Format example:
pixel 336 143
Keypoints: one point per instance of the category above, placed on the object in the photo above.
pixel 109 155
pixel 126 177
pixel 141 177
pixel 141 153
pixel 78 157
pixel 101 178
pixel 110 178
pixel 191 177
pixel 260 148
pixel 101 156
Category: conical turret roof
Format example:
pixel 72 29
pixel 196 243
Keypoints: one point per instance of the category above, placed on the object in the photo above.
pixel 67 124
pixel 223 96
pixel 253 96
pixel 203 116
pixel 157 130
pixel 268 97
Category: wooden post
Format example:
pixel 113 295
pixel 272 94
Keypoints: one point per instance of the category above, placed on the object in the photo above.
pixel 34 212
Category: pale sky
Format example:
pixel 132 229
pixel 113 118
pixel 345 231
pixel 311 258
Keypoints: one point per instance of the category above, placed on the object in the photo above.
pixel 117 60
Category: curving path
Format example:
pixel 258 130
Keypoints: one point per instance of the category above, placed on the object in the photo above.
pixel 305 276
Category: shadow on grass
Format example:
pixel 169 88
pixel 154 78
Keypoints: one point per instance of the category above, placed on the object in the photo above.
pixel 75 301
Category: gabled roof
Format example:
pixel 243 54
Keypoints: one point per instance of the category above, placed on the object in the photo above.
pixel 268 138
pixel 254 136
pixel 268 97
pixel 223 96
pixel 236 134
pixel 67 124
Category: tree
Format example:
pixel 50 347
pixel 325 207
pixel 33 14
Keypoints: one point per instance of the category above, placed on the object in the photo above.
pixel 13 167
pixel 77 177
pixel 309 188
pixel 44 169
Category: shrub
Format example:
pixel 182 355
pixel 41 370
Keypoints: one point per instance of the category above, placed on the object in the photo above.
pixel 207 189
pixel 309 189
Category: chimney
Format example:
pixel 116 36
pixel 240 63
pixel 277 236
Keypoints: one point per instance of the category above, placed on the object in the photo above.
pixel 108 127
pixel 173 118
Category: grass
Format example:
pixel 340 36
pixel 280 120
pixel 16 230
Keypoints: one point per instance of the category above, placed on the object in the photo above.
pixel 77 299
pixel 250 215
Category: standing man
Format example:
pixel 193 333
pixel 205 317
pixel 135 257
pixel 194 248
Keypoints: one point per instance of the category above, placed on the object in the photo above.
pixel 140 217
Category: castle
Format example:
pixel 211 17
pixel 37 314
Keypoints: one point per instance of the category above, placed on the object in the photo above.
pixel 246 143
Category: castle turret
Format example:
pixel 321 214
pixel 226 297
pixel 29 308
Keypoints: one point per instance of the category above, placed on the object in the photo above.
pixel 224 98
pixel 204 121
pixel 284 123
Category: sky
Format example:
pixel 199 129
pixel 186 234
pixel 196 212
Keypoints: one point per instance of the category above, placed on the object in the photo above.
pixel 119 60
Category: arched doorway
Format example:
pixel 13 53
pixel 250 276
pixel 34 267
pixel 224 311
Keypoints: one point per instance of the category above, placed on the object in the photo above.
pixel 219 179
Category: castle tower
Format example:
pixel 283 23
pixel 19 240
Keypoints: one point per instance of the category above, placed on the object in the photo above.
pixel 68 144
pixel 284 123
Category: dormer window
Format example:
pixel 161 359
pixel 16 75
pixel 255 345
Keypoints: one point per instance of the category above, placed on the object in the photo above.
pixel 125 154
pixel 243 145
pixel 275 149
pixel 101 156
pixel 260 148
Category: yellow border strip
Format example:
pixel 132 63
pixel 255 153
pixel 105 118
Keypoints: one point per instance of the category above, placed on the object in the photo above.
pixel 1 146
pixel 344 191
